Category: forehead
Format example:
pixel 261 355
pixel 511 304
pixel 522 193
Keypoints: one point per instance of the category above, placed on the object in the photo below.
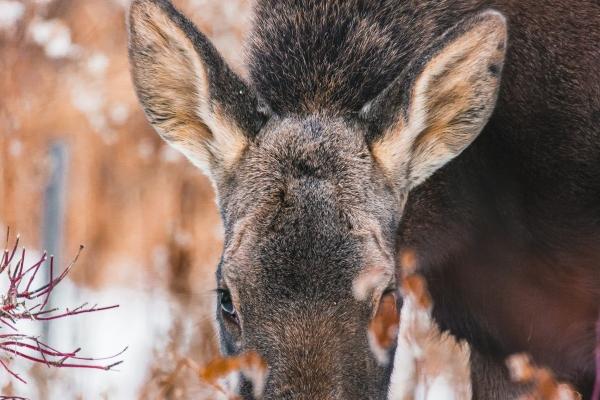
pixel 299 160
pixel 312 147
pixel 298 204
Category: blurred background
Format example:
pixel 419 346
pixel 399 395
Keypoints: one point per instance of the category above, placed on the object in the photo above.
pixel 80 165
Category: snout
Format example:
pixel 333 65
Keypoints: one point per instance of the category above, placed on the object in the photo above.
pixel 321 358
pixel 351 376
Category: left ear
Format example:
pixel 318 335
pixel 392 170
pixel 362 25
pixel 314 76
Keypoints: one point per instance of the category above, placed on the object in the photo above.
pixel 443 101
pixel 193 99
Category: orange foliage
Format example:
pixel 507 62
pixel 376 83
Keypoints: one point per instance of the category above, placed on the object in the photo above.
pixel 544 384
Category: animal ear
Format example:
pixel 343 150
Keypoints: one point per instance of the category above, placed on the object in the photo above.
pixel 441 103
pixel 189 94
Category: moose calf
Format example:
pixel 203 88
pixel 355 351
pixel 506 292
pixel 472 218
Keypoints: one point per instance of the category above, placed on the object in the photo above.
pixel 465 130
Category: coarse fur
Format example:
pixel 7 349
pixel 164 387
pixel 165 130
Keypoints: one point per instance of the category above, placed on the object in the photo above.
pixel 464 130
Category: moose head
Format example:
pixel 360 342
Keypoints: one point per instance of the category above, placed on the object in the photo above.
pixel 310 200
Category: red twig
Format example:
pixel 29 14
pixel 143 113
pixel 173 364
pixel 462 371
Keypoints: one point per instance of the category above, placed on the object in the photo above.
pixel 23 301
pixel 14 374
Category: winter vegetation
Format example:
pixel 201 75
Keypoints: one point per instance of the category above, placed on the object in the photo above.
pixel 26 296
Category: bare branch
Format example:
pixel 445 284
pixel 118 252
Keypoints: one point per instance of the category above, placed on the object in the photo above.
pixel 22 301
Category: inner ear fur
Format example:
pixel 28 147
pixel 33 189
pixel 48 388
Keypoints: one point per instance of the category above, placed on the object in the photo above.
pixel 445 105
pixel 189 94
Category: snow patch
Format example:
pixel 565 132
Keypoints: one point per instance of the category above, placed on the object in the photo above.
pixel 119 113
pixel 11 12
pixel 169 154
pixel 55 37
pixel 97 64
pixel 145 149
pixel 142 323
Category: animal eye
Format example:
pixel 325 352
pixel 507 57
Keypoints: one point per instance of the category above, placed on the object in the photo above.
pixel 227 307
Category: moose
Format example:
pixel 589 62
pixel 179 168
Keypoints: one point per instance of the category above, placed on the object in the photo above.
pixel 465 130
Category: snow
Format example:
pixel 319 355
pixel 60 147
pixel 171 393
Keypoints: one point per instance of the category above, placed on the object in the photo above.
pixel 88 96
pixel 169 154
pixel 119 113
pixel 54 36
pixel 145 148
pixel 97 64
pixel 142 323
pixel 11 12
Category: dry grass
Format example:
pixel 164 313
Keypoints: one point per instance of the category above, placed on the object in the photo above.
pixel 544 385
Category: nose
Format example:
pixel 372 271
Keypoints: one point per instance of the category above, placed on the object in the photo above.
pixel 320 355
pixel 306 393
pixel 348 374
pixel 310 381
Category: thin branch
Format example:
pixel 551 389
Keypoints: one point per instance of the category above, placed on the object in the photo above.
pixel 23 301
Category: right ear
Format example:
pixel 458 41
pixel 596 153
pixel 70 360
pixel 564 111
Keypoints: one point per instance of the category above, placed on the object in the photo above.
pixel 438 106
pixel 189 94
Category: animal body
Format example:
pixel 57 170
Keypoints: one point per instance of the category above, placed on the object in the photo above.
pixel 465 130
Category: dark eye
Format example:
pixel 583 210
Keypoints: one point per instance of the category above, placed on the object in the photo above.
pixel 227 307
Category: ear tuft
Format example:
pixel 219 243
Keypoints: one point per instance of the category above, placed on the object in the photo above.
pixel 451 97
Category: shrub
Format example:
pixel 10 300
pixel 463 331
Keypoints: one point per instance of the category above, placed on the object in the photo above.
pixel 23 298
